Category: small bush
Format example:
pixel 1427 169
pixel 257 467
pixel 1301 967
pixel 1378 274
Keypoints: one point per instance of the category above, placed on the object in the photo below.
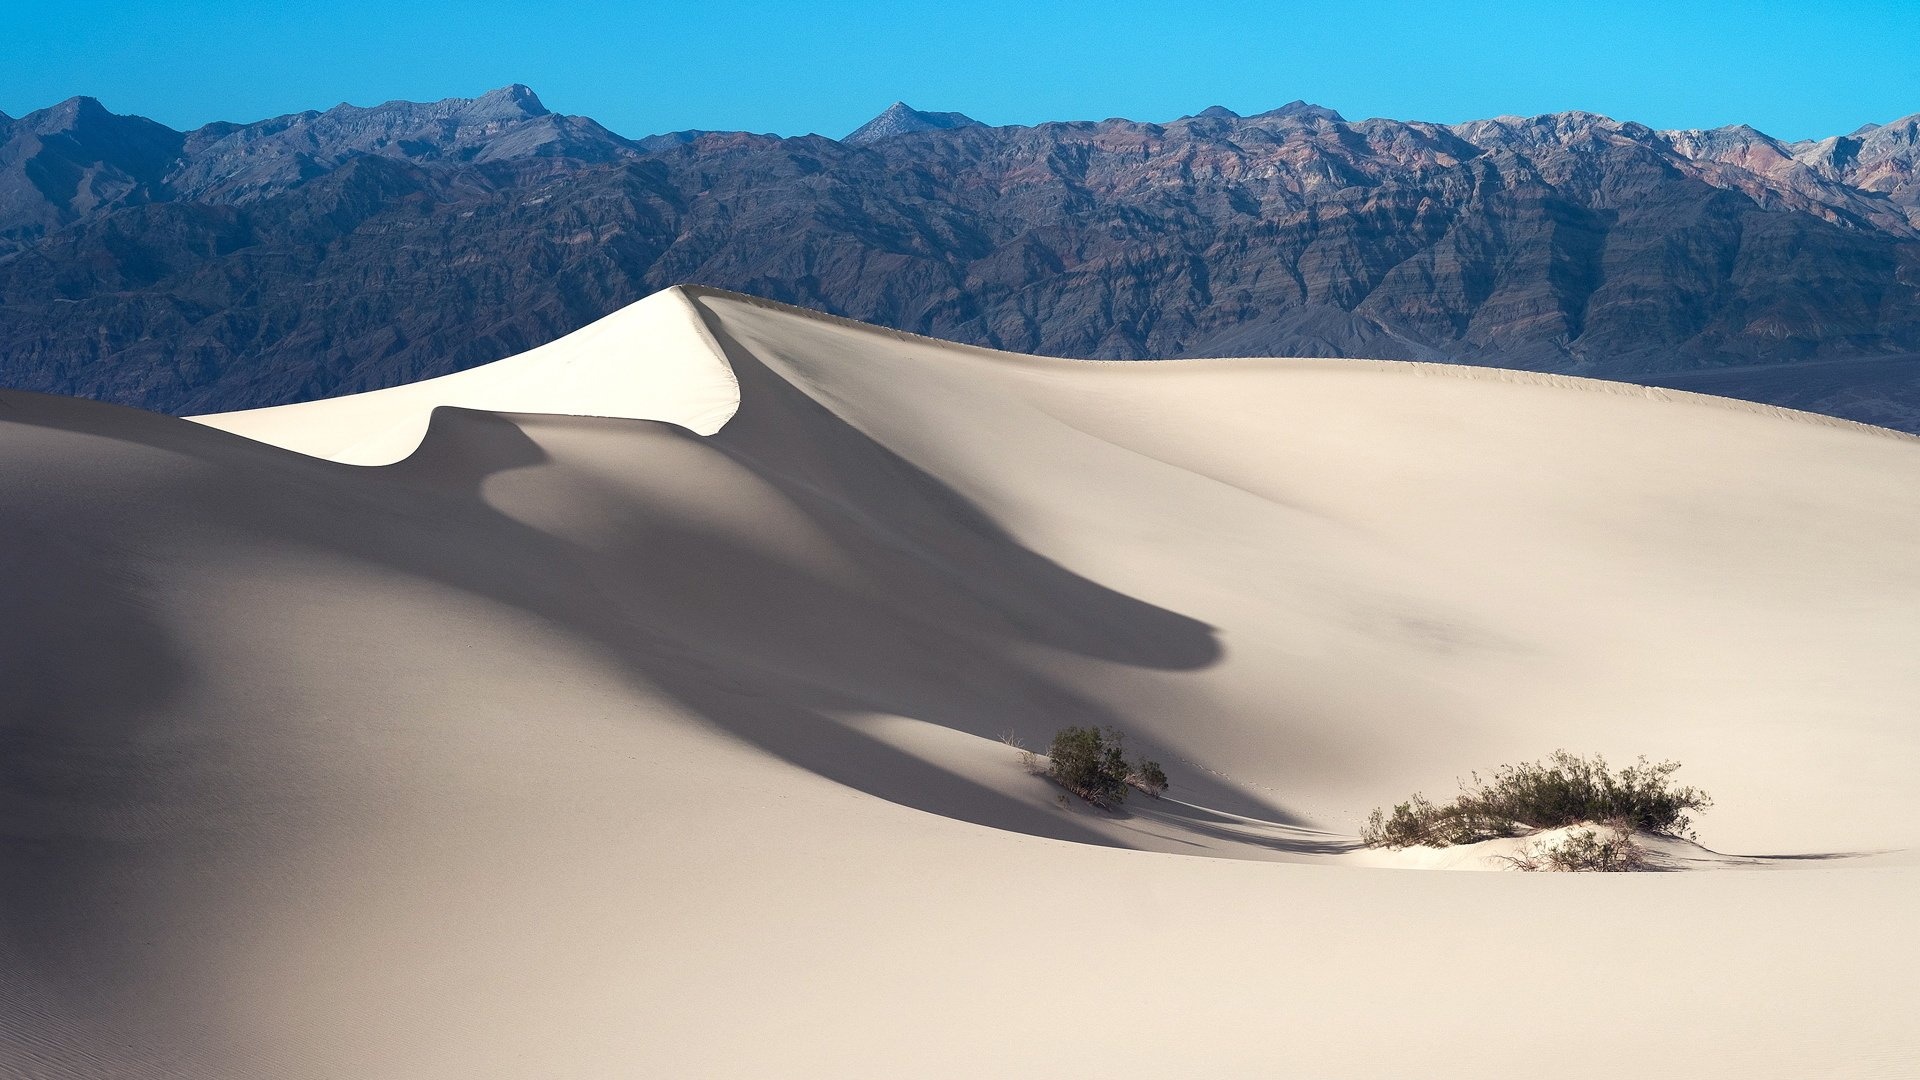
pixel 1149 777
pixel 1092 763
pixel 1586 851
pixel 1563 790
pixel 1029 760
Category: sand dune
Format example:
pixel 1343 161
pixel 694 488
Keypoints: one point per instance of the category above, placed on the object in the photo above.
pixel 640 719
pixel 649 361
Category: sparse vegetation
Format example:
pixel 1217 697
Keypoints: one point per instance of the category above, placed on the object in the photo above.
pixel 1149 777
pixel 1566 789
pixel 1029 760
pixel 1610 849
pixel 1092 763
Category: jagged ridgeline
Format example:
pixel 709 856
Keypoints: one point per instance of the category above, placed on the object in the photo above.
pixel 241 265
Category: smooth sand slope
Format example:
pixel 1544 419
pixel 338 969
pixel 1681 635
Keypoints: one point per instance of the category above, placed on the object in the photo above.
pixel 658 740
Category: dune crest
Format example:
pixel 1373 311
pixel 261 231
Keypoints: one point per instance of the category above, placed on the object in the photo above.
pixel 651 360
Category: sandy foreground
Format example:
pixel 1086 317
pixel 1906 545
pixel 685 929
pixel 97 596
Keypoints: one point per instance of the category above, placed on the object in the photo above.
pixel 435 732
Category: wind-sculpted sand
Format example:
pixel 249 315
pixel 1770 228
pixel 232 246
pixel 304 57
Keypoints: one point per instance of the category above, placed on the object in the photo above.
pixel 639 715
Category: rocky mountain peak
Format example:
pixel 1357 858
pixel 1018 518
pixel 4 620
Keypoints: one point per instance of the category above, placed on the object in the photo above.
pixel 900 118
pixel 1559 131
pixel 249 161
pixel 1905 131
pixel 507 105
pixel 1302 110
pixel 74 159
pixel 1739 144
pixel 68 116
pixel 508 102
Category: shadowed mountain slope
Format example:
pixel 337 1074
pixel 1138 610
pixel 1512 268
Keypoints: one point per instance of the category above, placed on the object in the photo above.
pixel 322 253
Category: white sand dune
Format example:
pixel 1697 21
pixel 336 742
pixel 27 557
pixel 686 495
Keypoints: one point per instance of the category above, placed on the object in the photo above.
pixel 615 732
pixel 653 360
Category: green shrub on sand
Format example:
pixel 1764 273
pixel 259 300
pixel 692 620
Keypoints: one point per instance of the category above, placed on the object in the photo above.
pixel 1092 763
pixel 1563 790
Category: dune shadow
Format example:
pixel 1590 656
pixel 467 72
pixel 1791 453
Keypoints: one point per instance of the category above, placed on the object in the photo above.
pixel 1201 821
pixel 939 627
pixel 947 621
pixel 1814 856
pixel 774 654
pixel 91 767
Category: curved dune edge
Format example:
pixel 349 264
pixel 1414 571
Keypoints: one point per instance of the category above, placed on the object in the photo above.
pixel 651 360
pixel 582 746
pixel 656 360
pixel 1466 371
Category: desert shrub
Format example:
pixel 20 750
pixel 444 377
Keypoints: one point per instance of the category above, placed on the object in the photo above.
pixel 1414 823
pixel 1091 762
pixel 1587 851
pixel 1149 777
pixel 1566 789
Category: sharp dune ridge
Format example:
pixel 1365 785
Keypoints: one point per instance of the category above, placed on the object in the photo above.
pixel 1424 367
pixel 631 707
pixel 383 426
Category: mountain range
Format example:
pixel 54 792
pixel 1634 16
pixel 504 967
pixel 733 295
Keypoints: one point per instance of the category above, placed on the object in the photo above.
pixel 241 265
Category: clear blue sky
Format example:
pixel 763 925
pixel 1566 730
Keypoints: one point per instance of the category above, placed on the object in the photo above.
pixel 1793 70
